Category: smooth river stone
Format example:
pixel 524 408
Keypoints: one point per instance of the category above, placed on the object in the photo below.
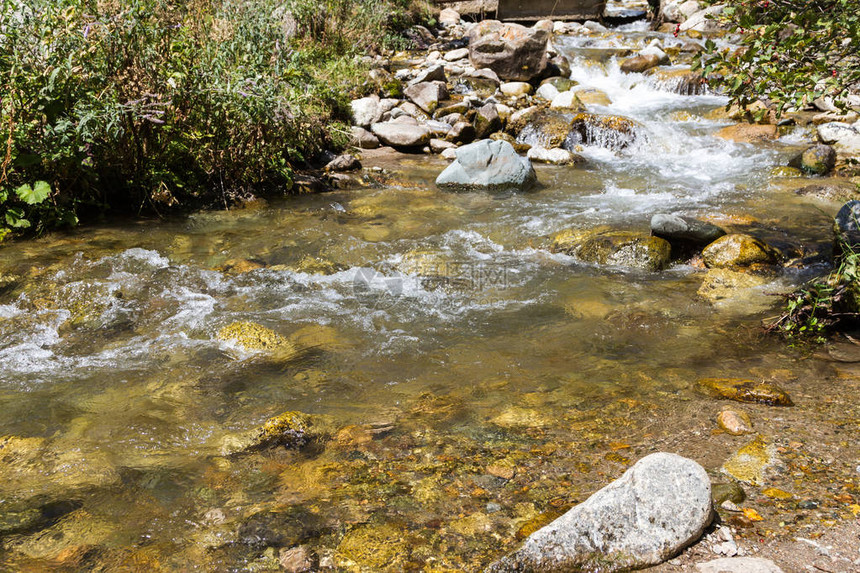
pixel 658 507
pixel 734 422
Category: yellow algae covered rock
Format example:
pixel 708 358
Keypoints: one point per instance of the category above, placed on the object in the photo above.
pixel 252 336
pixel 738 250
pixel 778 494
pixel 292 430
pixel 517 417
pixel 618 248
pixel 750 462
pixel 742 390
pixel 378 547
pixel 720 284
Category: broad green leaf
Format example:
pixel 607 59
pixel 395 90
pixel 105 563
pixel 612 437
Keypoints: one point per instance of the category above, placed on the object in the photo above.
pixel 15 218
pixel 35 194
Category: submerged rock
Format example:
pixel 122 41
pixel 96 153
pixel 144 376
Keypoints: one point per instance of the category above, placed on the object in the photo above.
pixel 620 248
pixel 516 417
pixel 749 463
pixel 31 467
pixel 292 430
pixel 735 422
pixel 76 530
pixel 658 507
pixel 835 193
pixel 377 547
pixel 727 492
pixel 738 250
pixel 722 284
pixel 491 165
pixel 301 559
pixel 741 390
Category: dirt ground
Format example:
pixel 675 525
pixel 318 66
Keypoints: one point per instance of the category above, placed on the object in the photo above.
pixel 836 550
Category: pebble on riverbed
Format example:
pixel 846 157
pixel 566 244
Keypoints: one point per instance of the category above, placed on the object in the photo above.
pixel 734 421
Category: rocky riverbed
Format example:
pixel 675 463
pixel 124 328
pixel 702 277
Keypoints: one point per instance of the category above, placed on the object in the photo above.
pixel 400 376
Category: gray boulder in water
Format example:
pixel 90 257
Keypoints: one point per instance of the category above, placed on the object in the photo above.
pixel 488 164
pixel 658 507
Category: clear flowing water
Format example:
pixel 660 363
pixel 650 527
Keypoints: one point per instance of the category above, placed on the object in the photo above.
pixel 468 380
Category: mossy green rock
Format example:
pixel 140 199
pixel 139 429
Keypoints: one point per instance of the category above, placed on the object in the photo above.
pixel 560 83
pixel 786 172
pixel 738 250
pixel 750 462
pixel 542 128
pixel 741 390
pixel 727 492
pixel 818 160
pixel 619 248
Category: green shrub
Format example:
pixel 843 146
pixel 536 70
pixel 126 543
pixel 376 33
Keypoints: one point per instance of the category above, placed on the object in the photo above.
pixel 825 305
pixel 152 104
pixel 791 51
